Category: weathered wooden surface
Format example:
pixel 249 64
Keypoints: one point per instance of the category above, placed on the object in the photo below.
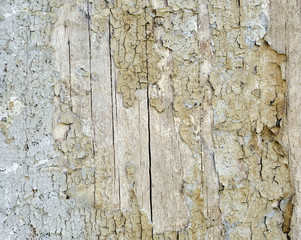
pixel 284 37
pixel 150 119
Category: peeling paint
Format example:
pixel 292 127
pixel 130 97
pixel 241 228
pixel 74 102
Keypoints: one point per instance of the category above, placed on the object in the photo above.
pixel 143 120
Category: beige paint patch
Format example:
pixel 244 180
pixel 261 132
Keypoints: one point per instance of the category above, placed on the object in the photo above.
pixel 249 108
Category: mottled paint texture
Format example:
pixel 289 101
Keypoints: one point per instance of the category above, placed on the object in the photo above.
pixel 149 119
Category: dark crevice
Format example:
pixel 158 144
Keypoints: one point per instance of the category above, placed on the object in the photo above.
pixel 111 64
pixel 112 109
pixel 278 122
pixel 238 2
pixel 71 105
pixel 69 65
pixel 149 154
pixel 91 93
pixel 261 166
pixel 287 213
pixel 251 238
pixel 266 227
pixel 148 126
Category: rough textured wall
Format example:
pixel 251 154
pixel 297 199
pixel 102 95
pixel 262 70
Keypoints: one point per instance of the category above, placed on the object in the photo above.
pixel 249 105
pixel 159 119
pixel 284 36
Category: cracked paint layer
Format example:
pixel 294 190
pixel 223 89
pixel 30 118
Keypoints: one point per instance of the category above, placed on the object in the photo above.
pixel 143 120
pixel 249 107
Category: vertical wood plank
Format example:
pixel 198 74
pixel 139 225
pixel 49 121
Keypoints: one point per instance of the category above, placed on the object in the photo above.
pixel 80 65
pixel 106 186
pixel 171 158
pixel 132 150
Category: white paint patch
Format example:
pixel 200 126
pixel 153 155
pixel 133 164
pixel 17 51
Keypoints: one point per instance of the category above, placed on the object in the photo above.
pixel 12 169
